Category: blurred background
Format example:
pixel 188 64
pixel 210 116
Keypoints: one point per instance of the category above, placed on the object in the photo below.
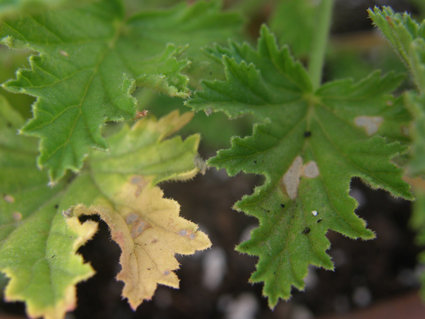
pixel 378 278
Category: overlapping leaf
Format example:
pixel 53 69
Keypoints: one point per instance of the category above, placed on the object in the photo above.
pixel 149 231
pixel 91 59
pixel 408 38
pixel 308 147
pixel 37 245
pixel 40 232
pixel 120 187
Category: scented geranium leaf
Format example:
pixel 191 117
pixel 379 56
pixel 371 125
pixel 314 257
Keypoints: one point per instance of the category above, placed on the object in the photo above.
pixel 407 37
pixel 149 231
pixel 37 244
pixel 120 187
pixel 308 146
pixel 92 58
pixel 40 232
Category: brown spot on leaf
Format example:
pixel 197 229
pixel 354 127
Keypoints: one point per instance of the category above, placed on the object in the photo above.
pixel 141 114
pixel 131 218
pixel 140 182
pixel 139 228
pixel 67 213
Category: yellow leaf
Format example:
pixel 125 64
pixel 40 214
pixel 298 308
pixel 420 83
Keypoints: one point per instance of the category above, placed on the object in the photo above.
pixel 150 232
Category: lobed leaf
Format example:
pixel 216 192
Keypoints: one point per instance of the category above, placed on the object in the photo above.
pixel 149 231
pixel 91 59
pixel 308 146
pixel 406 36
pixel 40 228
pixel 37 245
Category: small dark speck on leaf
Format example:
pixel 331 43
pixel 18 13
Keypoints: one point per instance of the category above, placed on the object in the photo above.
pixel 319 221
pixel 210 73
pixel 9 124
pixel 56 206
pixel 255 162
pixel 307 134
pixel 281 205
pixel 306 231
pixel 53 256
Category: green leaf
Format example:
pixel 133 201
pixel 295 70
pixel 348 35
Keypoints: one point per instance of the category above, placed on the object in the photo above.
pixel 308 146
pixel 416 105
pixel 37 244
pixel 293 22
pixel 15 7
pixel 40 235
pixel 91 63
pixel 123 182
pixel 407 37
pixel 9 62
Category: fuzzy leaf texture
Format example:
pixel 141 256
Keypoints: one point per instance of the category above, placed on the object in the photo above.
pixel 91 59
pixel 112 185
pixel 407 38
pixel 37 245
pixel 308 145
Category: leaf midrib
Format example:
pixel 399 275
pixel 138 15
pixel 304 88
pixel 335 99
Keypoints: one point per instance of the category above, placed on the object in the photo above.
pixel 110 47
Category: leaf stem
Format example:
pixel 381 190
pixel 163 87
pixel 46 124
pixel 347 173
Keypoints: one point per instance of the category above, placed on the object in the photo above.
pixel 317 56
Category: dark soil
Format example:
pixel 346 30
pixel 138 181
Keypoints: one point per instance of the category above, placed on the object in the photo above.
pixel 366 271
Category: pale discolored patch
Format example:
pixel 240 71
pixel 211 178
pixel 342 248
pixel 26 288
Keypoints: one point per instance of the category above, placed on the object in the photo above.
pixel 140 182
pixel 139 228
pixel 17 216
pixel 200 164
pixel 68 213
pixel 310 170
pixel 291 179
pixel 369 123
pixel 131 218
pixel 9 198
pixel 149 231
